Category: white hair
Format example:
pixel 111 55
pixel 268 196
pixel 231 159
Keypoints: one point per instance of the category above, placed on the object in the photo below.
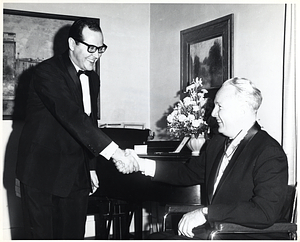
pixel 246 91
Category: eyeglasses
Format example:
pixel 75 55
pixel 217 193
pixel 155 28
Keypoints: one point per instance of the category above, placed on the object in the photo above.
pixel 92 48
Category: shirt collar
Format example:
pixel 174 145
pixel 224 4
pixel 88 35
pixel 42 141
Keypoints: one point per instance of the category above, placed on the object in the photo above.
pixel 235 142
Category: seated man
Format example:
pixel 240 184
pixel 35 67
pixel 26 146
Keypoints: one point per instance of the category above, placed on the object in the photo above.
pixel 244 169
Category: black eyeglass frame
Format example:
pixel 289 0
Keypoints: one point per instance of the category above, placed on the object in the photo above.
pixel 100 48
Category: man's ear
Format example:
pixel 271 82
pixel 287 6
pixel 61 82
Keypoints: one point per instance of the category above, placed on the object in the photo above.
pixel 246 110
pixel 71 43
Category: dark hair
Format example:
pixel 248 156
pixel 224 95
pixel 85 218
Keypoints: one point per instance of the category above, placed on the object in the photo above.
pixel 77 27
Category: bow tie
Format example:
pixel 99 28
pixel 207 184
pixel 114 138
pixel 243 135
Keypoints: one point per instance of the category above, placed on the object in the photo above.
pixel 83 72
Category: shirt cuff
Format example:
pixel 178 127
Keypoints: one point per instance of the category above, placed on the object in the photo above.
pixel 109 150
pixel 147 167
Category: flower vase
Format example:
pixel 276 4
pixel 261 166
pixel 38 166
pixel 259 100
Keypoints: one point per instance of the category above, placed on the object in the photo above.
pixel 195 144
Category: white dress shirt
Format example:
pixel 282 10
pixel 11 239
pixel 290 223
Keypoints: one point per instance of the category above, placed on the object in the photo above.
pixel 85 86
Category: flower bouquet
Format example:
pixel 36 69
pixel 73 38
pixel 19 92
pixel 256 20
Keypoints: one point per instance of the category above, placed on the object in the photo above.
pixel 188 116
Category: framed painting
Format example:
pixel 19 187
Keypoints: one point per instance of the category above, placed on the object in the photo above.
pixel 28 39
pixel 207 53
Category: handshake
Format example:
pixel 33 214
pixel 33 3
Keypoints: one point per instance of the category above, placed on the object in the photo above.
pixel 126 161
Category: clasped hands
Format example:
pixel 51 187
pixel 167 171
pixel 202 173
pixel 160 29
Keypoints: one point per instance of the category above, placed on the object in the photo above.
pixel 126 161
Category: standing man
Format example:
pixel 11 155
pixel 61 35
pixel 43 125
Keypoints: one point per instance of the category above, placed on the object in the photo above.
pixel 244 170
pixel 61 139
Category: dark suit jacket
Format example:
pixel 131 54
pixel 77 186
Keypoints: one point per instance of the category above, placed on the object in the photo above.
pixel 58 138
pixel 253 187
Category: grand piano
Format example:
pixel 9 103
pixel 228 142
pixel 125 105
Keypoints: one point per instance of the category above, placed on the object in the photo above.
pixel 133 190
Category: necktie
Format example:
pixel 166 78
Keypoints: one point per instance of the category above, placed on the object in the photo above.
pixel 83 72
pixel 230 148
pixel 84 79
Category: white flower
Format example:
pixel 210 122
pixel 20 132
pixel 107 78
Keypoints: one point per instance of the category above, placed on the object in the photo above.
pixel 198 81
pixel 172 115
pixel 196 123
pixel 190 87
pixel 196 108
pixel 200 95
pixel 187 101
pixel 191 117
pixel 202 101
pixel 193 103
pixel 175 112
pixel 182 118
pixel 170 118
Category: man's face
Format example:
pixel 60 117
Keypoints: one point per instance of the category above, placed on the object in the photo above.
pixel 79 54
pixel 228 112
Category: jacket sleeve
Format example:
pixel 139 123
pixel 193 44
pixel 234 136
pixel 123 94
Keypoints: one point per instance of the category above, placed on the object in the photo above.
pixel 177 173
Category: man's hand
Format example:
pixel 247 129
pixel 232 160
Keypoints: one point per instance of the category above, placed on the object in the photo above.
pixel 133 155
pixel 94 181
pixel 125 163
pixel 189 221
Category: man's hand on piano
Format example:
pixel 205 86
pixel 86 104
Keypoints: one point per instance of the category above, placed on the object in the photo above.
pixel 125 163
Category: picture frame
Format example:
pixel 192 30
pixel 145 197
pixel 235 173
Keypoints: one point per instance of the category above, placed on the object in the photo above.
pixel 28 39
pixel 207 53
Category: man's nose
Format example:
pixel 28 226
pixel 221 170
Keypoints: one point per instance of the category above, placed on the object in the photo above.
pixel 214 112
pixel 97 54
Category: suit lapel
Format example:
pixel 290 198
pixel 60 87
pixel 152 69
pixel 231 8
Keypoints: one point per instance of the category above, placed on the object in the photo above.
pixel 74 82
pixel 212 175
pixel 236 155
